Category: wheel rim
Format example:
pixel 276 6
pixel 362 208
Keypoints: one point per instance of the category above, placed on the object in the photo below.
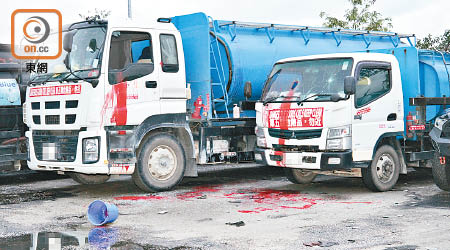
pixel 385 168
pixel 162 162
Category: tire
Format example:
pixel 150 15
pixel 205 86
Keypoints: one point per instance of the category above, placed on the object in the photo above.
pixel 441 173
pixel 384 170
pixel 89 179
pixel 160 164
pixel 299 176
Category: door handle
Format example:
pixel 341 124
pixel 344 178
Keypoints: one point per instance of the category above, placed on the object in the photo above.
pixel 357 117
pixel 392 117
pixel 151 84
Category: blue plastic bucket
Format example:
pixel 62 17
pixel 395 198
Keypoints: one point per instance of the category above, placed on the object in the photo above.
pixel 101 213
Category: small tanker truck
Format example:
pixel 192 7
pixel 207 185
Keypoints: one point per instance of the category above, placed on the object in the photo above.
pixel 372 111
pixel 158 99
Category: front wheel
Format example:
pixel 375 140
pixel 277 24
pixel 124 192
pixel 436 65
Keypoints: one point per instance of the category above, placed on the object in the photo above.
pixel 441 172
pixel 299 176
pixel 160 165
pixel 384 170
pixel 89 179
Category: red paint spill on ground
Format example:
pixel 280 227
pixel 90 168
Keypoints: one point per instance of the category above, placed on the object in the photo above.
pixel 136 198
pixel 265 199
pixel 274 200
pixel 198 192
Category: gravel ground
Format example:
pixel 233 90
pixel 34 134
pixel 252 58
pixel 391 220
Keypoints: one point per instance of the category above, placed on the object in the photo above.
pixel 226 207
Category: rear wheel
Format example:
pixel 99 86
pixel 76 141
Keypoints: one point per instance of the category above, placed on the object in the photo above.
pixel 89 179
pixel 299 176
pixel 160 165
pixel 384 170
pixel 441 172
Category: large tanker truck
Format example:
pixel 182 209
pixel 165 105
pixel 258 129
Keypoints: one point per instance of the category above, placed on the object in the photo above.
pixel 12 96
pixel 159 99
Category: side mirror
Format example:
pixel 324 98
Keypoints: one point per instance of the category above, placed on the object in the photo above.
pixel 248 89
pixel 67 61
pixel 349 85
pixel 68 40
pixel 93 45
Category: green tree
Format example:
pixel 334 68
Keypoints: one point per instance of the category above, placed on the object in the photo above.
pixel 96 14
pixel 440 43
pixel 359 17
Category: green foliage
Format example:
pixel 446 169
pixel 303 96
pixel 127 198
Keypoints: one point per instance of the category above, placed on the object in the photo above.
pixel 440 43
pixel 359 17
pixel 96 14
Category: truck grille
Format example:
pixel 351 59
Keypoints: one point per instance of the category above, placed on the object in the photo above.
pixel 54 106
pixel 52 119
pixel 295 134
pixel 64 143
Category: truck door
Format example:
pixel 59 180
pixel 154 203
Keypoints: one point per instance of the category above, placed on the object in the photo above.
pixel 375 109
pixel 132 92
pixel 172 79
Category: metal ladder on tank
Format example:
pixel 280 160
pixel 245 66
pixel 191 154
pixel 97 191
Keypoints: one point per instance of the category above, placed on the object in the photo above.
pixel 214 44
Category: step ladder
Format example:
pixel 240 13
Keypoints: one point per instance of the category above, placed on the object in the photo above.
pixel 217 69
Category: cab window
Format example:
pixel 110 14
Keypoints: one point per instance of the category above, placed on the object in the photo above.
pixel 372 83
pixel 130 57
pixel 169 54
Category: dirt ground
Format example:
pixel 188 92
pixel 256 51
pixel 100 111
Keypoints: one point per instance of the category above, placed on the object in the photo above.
pixel 226 207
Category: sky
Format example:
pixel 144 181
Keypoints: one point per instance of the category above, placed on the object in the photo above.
pixel 408 16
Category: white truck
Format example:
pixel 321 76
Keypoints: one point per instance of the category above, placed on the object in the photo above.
pixel 118 100
pixel 337 113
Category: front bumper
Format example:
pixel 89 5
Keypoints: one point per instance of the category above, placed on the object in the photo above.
pixel 100 167
pixel 324 161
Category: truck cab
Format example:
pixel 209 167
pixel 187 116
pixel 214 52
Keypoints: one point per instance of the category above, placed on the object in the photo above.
pixel 333 112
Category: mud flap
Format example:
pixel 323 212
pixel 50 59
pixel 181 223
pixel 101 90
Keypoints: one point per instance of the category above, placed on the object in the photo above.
pixel 191 168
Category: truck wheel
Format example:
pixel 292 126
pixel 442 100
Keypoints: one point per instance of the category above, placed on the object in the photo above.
pixel 299 176
pixel 89 179
pixel 160 164
pixel 441 173
pixel 383 172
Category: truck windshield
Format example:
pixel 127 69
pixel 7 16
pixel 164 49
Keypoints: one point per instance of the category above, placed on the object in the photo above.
pixel 85 57
pixel 313 79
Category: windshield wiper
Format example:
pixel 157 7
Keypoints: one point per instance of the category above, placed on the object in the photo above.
pixel 71 73
pixel 333 97
pixel 315 95
pixel 282 96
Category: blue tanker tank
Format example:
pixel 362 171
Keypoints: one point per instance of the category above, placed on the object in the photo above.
pixel 424 74
pixel 221 56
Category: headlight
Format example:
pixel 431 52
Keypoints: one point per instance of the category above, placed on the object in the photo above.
pixel 260 137
pixel 90 150
pixel 339 132
pixel 339 143
pixel 259 132
pixel 339 138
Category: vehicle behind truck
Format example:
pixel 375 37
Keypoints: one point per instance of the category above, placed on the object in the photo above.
pixel 157 99
pixel 12 129
pixel 370 111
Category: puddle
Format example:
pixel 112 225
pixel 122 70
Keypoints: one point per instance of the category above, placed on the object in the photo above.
pixel 97 238
pixel 51 194
pixel 441 200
